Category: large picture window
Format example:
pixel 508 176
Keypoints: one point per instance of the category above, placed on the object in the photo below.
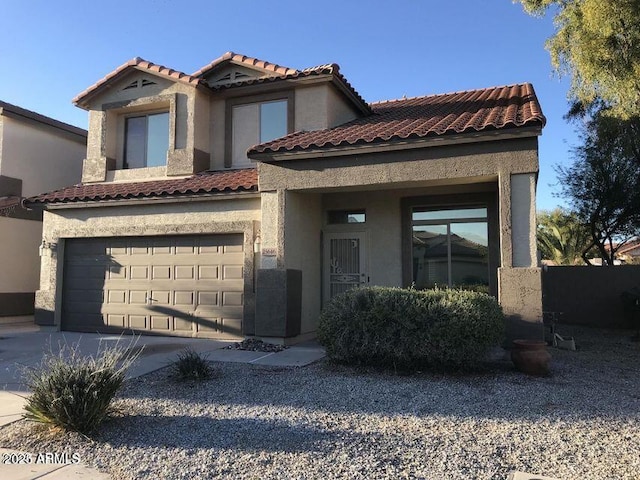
pixel 256 123
pixel 146 140
pixel 450 247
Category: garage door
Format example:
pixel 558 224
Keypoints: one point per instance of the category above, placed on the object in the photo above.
pixel 179 285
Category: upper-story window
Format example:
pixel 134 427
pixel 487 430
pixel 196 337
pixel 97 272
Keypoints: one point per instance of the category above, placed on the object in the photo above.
pixel 255 123
pixel 146 140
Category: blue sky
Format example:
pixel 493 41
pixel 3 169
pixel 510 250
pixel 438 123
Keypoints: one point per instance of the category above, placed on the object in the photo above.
pixel 51 51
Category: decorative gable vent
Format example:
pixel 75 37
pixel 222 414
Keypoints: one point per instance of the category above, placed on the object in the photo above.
pixel 145 82
pixel 230 77
pixel 133 84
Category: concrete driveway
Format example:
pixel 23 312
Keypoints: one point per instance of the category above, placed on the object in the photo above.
pixel 23 346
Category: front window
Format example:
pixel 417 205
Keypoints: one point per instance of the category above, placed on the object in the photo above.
pixel 146 140
pixel 450 248
pixel 256 123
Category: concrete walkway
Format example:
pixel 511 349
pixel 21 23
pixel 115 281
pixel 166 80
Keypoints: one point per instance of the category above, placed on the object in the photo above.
pixel 22 345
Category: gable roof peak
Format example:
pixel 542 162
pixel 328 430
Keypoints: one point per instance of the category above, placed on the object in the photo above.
pixel 137 63
pixel 250 62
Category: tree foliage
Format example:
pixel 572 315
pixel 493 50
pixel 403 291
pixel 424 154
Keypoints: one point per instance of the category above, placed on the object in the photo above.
pixel 562 237
pixel 603 182
pixel 597 42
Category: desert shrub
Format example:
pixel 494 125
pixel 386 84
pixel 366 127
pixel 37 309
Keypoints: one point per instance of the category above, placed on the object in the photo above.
pixel 190 365
pixel 75 392
pixel 410 329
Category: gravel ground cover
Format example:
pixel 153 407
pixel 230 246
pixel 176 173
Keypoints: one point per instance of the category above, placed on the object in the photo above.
pixel 326 421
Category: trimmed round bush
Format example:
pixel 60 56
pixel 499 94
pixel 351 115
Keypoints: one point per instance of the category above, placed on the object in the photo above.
pixel 410 329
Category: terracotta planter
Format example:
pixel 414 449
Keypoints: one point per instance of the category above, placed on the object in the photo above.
pixel 531 357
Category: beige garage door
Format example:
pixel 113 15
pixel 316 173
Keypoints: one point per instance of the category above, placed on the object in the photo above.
pixel 179 285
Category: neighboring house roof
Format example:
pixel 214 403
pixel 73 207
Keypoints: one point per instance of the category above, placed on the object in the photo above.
pixel 242 180
pixel 16 112
pixel 8 205
pixel 238 59
pixel 413 118
pixel 629 248
pixel 136 63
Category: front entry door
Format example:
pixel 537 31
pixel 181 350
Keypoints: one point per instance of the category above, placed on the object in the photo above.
pixel 345 264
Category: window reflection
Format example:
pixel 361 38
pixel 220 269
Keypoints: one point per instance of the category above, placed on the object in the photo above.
pixel 450 248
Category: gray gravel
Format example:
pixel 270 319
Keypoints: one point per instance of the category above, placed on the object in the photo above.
pixel 324 421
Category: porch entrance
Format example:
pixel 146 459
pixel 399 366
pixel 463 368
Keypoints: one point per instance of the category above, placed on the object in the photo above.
pixel 344 264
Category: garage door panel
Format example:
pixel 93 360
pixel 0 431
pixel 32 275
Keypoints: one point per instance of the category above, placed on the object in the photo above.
pixel 139 272
pixel 138 322
pixel 184 272
pixel 155 284
pixel 208 299
pixel 232 272
pixel 208 272
pixel 183 298
pixel 114 320
pixel 161 272
pixel 183 324
pixel 160 322
pixel 116 296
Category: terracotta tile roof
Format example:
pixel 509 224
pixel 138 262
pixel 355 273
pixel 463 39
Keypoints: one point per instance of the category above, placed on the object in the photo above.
pixel 226 181
pixel 244 60
pixel 139 64
pixel 435 115
pixel 328 69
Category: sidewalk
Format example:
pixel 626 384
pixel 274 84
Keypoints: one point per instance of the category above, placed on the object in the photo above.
pixel 23 345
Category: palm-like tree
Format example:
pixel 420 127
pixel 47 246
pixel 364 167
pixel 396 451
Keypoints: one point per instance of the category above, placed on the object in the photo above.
pixel 562 238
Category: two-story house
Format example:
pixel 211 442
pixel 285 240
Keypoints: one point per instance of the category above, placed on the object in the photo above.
pixel 37 154
pixel 239 199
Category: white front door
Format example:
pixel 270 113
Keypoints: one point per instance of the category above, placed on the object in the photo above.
pixel 345 264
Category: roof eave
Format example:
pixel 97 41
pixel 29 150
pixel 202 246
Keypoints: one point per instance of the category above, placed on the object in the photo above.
pixel 159 199
pixel 393 145
pixel 340 82
pixel 19 113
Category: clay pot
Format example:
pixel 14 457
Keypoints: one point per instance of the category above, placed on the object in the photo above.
pixel 531 357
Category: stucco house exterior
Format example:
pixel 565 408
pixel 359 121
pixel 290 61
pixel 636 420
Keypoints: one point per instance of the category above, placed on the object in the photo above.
pixel 37 154
pixel 239 199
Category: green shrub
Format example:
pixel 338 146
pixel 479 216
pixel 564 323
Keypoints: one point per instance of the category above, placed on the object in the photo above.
pixel 75 392
pixel 191 366
pixel 411 329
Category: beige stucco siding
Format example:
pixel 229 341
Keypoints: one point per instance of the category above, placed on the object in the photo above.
pixel 339 111
pixel 321 106
pixel 217 133
pixel 383 229
pixel 188 125
pixel 19 258
pixel 445 165
pixel 43 159
pixel 303 224
pixel 311 108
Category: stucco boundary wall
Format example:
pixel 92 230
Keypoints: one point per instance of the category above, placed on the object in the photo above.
pixel 589 296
